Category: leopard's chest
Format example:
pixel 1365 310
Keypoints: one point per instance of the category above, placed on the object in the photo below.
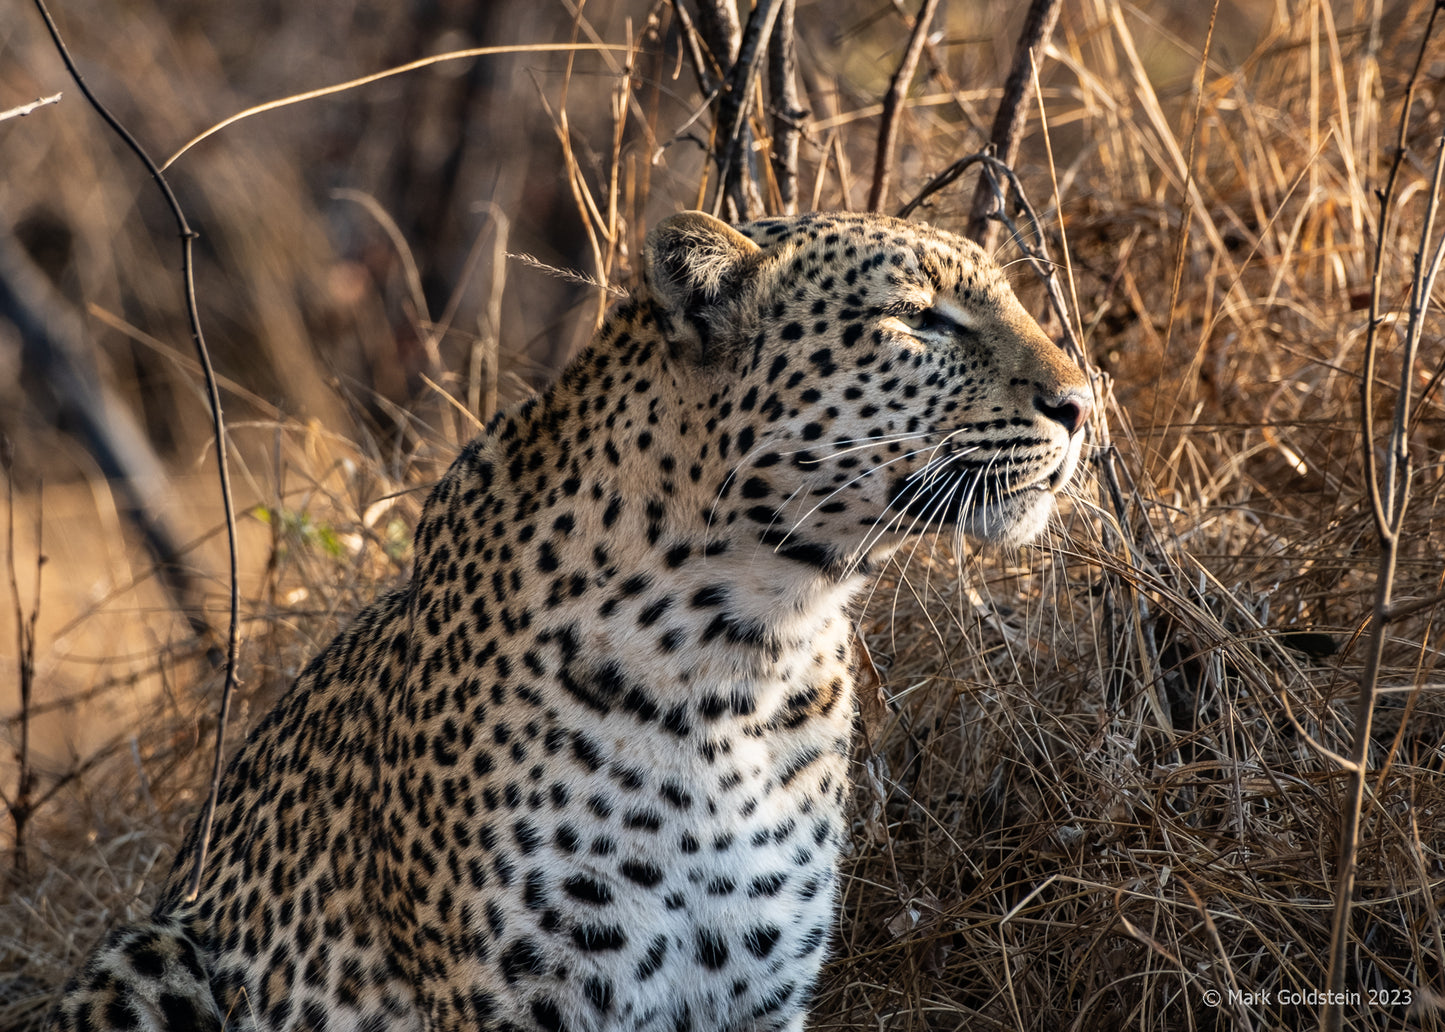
pixel 666 878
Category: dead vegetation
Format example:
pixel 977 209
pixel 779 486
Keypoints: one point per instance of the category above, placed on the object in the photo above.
pixel 1112 777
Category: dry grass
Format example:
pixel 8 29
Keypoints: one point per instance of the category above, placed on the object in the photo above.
pixel 1103 787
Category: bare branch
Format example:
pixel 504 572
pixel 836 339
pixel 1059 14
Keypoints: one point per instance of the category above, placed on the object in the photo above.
pixel 736 182
pixel 351 84
pixel 1388 506
pixel 23 804
pixel 893 103
pixel 720 29
pixel 25 109
pixel 1008 123
pixel 218 425
pixel 788 113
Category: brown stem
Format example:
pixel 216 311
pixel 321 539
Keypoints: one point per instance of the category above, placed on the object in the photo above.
pixel 1388 507
pixel 720 29
pixel 736 182
pixel 218 425
pixel 893 103
pixel 23 805
pixel 788 113
pixel 1008 123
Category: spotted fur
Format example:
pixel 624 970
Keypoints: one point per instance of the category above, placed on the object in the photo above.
pixel 587 770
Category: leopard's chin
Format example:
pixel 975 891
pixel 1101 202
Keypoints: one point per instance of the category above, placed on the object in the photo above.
pixel 1012 520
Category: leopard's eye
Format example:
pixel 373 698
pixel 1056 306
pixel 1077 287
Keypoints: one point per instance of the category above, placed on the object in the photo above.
pixel 926 320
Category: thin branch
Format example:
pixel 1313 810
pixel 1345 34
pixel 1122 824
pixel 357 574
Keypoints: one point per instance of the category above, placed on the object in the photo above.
pixel 788 113
pixel 944 179
pixel 720 29
pixel 735 180
pixel 1388 506
pixel 25 109
pixel 703 66
pixel 218 428
pixel 23 805
pixel 893 104
pixel 482 366
pixel 1008 122
pixel 410 66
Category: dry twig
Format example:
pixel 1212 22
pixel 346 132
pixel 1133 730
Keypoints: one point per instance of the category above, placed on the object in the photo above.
pixel 1388 501
pixel 1008 123
pixel 893 104
pixel 24 109
pixel 23 803
pixel 218 426
pixel 737 187
pixel 788 114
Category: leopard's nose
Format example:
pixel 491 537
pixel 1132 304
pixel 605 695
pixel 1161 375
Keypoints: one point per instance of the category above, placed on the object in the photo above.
pixel 1070 409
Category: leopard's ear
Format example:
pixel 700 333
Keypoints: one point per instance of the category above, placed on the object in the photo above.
pixel 693 265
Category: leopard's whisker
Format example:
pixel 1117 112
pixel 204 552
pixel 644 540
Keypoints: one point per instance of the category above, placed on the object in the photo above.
pixel 941 501
pixel 865 473
pixel 824 500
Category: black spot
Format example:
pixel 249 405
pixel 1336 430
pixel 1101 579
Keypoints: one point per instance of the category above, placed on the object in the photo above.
pixel 181 1012
pixel 676 722
pixel 521 958
pixel 146 958
pixel 587 890
pixel 120 1014
pixel 599 993
pixel 811 941
pixel 799 763
pixel 642 872
pixel 545 1013
pixel 711 950
pixel 596 938
pixel 766 885
pixel 774 1000
pixel 534 896
pixel 635 585
pixel 586 751
pixel 527 835
pixel 643 820
pixel 652 612
pixel 630 778
pixel 648 965
pixel 711 595
pixel 761 940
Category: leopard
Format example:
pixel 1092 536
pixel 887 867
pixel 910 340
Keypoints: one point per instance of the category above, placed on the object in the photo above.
pixel 588 769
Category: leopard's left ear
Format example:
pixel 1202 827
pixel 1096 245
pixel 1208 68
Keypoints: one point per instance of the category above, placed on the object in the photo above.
pixel 693 265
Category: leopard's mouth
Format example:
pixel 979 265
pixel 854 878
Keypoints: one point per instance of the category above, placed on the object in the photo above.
pixel 999 504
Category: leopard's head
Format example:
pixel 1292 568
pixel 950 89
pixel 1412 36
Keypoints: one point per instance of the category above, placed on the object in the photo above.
pixel 875 379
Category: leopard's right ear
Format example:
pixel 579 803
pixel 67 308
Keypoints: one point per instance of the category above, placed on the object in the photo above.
pixel 693 265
